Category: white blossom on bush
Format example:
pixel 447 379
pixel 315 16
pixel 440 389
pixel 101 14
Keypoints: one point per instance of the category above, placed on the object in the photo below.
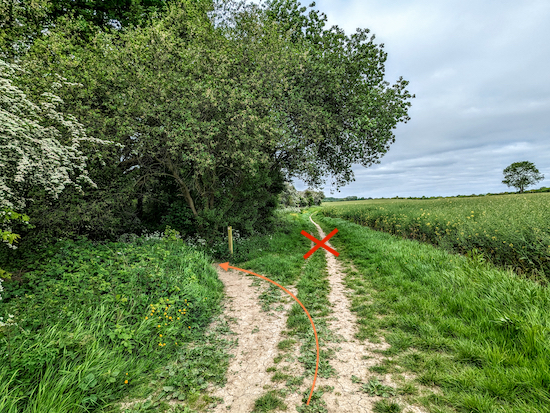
pixel 31 151
pixel 31 148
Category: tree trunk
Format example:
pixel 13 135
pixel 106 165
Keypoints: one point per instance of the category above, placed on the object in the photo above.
pixel 182 186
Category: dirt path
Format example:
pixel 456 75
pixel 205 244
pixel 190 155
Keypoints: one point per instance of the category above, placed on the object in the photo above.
pixel 258 334
pixel 352 356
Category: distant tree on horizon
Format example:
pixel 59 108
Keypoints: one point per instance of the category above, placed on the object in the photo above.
pixel 521 174
pixel 291 197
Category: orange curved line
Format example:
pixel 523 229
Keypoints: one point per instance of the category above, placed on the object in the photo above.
pixel 226 265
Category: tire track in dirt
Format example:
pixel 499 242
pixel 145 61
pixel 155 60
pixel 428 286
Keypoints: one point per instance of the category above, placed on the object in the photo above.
pixel 258 334
pixel 351 356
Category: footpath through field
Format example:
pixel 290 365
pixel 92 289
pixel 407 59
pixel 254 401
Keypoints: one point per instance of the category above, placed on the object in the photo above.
pixel 257 336
pixel 259 333
pixel 353 358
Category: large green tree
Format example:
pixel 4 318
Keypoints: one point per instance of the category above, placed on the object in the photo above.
pixel 157 90
pixel 221 115
pixel 338 110
pixel 521 175
pixel 206 119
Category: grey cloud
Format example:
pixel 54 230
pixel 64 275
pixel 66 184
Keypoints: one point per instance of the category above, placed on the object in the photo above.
pixel 480 72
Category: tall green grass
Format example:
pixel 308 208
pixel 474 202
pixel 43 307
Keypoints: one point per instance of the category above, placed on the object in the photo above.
pixel 479 333
pixel 510 230
pixel 97 322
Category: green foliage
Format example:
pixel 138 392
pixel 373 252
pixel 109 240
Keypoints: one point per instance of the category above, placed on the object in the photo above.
pixel 178 215
pixel 8 215
pixel 521 174
pixel 270 296
pixel 100 13
pixel 194 370
pixel 329 128
pixel 87 312
pixel 384 406
pixel 316 403
pixel 465 225
pixel 286 344
pixel 375 388
pixel 24 21
pixel 227 153
pixel 101 214
pixel 269 253
pixel 542 189
pixel 218 176
pixel 269 402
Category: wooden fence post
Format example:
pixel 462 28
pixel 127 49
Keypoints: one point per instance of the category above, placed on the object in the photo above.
pixel 230 233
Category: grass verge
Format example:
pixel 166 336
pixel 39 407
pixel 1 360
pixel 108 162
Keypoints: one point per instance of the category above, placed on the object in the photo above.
pixel 478 333
pixel 92 324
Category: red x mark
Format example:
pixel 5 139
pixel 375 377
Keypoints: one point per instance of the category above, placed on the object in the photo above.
pixel 320 243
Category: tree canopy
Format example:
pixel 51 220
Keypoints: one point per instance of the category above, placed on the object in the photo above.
pixel 211 119
pixel 23 21
pixel 338 110
pixel 521 175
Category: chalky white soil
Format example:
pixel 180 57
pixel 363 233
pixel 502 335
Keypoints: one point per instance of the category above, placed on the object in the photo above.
pixel 259 332
pixel 352 357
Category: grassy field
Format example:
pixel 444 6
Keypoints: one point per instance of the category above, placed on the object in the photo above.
pixel 478 335
pixel 509 230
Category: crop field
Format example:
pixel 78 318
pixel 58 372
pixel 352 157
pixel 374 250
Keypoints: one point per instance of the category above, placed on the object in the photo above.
pixel 509 230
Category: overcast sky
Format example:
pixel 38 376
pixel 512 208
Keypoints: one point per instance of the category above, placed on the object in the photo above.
pixel 480 71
